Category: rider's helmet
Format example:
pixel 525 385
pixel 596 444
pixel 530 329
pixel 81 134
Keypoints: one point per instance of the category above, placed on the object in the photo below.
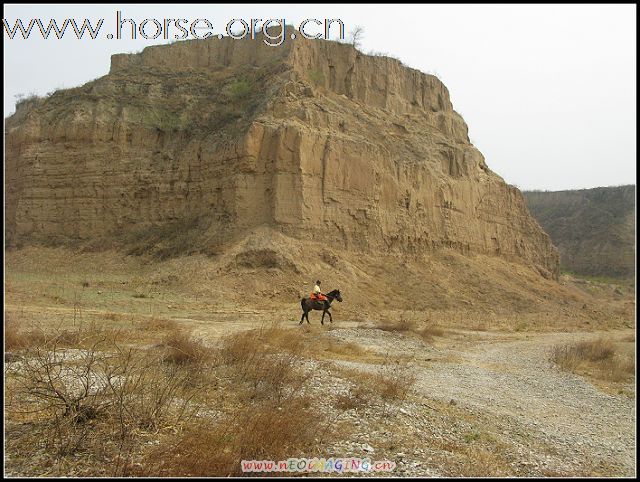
pixel 318 282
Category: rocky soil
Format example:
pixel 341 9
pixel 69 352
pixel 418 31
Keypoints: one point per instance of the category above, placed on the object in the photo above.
pixel 502 388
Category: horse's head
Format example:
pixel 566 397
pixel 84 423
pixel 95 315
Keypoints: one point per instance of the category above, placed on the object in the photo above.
pixel 338 296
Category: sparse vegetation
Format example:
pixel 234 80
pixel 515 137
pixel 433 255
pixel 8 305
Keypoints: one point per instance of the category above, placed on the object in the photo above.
pixel 92 399
pixel 356 35
pixel 394 381
pixel 311 372
pixel 390 381
pixel 317 77
pixel 27 98
pixel 16 338
pixel 593 228
pixel 265 430
pixel 181 349
pixel 240 89
pixel 598 358
pixel 155 323
pixel 427 332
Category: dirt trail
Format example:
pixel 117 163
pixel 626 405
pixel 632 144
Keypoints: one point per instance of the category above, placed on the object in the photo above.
pixel 559 419
pixel 553 420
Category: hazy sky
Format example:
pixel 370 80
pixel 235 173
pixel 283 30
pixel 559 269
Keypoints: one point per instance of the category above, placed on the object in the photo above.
pixel 548 92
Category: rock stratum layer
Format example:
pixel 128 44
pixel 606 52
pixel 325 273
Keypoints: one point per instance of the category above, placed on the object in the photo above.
pixel 312 138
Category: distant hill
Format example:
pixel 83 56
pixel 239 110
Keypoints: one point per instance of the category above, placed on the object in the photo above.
pixel 594 229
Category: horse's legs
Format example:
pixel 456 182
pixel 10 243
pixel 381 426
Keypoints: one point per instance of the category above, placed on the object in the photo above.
pixel 322 320
pixel 302 317
pixel 330 317
pixel 307 315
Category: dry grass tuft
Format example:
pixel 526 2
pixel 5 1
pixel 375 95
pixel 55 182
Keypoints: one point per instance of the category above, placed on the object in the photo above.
pixel 479 461
pixel 427 333
pixel 394 381
pixel 631 337
pixel 18 338
pixel 480 326
pixel 273 417
pixel 158 324
pixel 391 381
pixel 265 361
pixel 265 430
pixel 598 358
pixel 181 349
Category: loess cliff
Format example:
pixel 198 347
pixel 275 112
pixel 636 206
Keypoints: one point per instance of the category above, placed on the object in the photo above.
pixel 219 138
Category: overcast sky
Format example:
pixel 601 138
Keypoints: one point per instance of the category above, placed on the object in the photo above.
pixel 548 92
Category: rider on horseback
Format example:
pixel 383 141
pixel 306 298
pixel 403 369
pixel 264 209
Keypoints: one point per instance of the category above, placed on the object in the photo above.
pixel 317 292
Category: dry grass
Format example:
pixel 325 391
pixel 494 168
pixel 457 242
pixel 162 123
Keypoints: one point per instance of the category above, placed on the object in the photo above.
pixel 391 381
pixel 157 324
pixel 631 337
pixel 479 461
pixel 348 401
pixel 93 400
pixel 598 358
pixel 324 347
pixel 268 413
pixel 265 362
pixel 480 326
pixel 17 338
pixel 181 349
pixel 403 325
pixel 264 430
pixel 394 381
pixel 428 333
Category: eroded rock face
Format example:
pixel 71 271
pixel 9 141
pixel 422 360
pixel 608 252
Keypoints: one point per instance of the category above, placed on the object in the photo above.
pixel 312 138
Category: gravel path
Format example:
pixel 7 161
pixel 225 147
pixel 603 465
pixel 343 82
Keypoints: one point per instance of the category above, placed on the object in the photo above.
pixel 552 414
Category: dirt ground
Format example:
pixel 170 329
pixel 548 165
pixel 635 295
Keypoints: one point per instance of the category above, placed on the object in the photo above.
pixel 487 399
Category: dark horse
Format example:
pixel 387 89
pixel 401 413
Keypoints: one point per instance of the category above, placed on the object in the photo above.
pixel 309 304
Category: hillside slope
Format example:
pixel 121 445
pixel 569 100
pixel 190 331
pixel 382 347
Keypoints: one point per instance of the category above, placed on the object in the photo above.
pixel 191 147
pixel 594 229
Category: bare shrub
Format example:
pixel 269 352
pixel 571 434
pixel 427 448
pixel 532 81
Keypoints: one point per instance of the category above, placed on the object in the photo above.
pixel 571 355
pixel 356 35
pixel 84 399
pixel 147 393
